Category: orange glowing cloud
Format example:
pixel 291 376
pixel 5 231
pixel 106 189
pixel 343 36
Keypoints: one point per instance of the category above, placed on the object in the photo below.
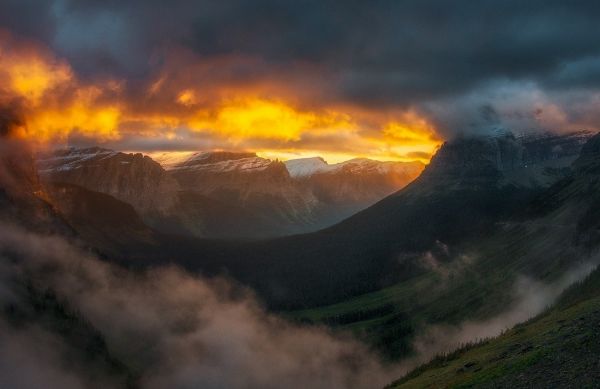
pixel 186 97
pixel 266 119
pixel 28 74
pixel 53 102
pixel 56 105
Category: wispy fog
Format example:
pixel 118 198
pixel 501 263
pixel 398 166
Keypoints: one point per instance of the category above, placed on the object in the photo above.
pixel 530 298
pixel 176 330
pixel 173 330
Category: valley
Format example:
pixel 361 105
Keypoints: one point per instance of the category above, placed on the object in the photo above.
pixel 299 194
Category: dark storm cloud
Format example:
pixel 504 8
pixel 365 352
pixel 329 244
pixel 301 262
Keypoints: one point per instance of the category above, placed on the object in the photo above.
pixel 376 54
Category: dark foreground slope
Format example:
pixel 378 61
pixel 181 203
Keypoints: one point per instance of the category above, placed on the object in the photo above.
pixel 558 349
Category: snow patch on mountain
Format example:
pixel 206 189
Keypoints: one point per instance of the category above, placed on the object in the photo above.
pixel 212 161
pixel 170 159
pixel 72 158
pixel 306 167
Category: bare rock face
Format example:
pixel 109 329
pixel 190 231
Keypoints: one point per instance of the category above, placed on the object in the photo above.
pixel 132 178
pixel 531 161
pixel 301 195
pixel 22 198
pixel 18 174
pixel 246 180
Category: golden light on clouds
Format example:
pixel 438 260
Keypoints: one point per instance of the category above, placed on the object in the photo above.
pixel 56 105
pixel 265 119
pixel 50 100
pixel 97 122
pixel 30 76
pixel 186 97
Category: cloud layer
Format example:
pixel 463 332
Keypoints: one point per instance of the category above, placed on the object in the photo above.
pixel 327 73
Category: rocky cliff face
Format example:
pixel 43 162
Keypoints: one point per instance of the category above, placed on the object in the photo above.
pixel 304 193
pixel 132 178
pixel 244 179
pixel 229 195
pixel 22 198
pixel 534 161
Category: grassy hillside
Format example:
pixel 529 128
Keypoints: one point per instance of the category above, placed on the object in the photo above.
pixel 559 348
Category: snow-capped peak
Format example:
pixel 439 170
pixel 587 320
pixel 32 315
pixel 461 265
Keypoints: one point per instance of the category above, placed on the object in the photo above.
pixel 214 161
pixel 71 158
pixel 304 167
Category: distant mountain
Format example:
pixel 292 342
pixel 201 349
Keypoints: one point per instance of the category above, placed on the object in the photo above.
pixel 306 167
pixel 225 194
pixel 153 193
pixel 245 180
pixel 348 187
pixel 298 195
pixel 101 219
pixel 133 178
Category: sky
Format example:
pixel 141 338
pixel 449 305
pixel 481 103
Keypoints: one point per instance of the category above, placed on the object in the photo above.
pixel 388 80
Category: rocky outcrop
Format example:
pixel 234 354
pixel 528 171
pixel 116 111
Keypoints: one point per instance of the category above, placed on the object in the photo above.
pixel 300 195
pixel 22 198
pixel 533 161
pixel 246 180
pixel 133 178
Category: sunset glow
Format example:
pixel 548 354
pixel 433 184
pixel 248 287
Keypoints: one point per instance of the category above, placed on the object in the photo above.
pixel 57 105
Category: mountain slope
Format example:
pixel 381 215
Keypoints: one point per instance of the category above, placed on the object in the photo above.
pixel 22 196
pixel 299 195
pixel 542 240
pixel 559 348
pixel 256 184
pixel 348 187
pixel 132 178
pixel 155 195
pixel 101 219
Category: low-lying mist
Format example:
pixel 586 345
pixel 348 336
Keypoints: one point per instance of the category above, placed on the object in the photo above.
pixel 172 329
pixel 530 298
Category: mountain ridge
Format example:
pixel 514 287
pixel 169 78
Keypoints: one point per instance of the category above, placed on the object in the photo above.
pixel 185 189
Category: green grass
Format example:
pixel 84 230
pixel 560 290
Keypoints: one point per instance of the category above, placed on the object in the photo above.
pixel 461 289
pixel 558 348
pixel 557 338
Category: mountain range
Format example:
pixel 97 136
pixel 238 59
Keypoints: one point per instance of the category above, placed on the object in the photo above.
pixel 227 194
